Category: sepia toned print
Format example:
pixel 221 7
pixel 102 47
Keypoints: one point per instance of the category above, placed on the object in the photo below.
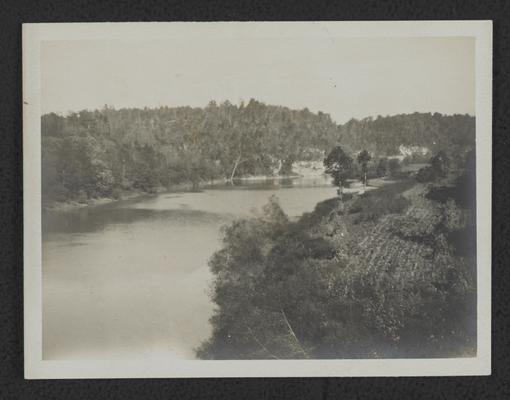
pixel 286 195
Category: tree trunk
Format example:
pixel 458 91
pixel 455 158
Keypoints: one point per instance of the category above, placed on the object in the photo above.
pixel 252 334
pixel 340 192
pixel 286 167
pixel 293 335
pixel 236 164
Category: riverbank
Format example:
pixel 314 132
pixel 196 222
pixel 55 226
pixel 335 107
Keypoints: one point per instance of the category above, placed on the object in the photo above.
pixel 300 169
pixel 69 205
pixel 355 186
pixel 369 265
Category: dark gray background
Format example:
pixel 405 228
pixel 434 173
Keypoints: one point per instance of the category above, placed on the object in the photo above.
pixel 13 386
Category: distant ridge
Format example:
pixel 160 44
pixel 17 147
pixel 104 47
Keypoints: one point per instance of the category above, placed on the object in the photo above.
pixel 384 135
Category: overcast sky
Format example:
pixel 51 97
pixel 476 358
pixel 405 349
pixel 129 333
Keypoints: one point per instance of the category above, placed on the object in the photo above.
pixel 347 77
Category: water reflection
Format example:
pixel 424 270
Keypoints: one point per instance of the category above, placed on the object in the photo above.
pixel 194 207
pixel 99 218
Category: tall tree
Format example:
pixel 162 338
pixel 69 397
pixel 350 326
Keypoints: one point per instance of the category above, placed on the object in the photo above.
pixel 339 165
pixel 363 158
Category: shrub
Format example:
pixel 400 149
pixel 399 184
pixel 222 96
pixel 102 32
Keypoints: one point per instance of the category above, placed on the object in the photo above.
pixel 414 228
pixel 372 205
pixel 394 166
pixel 116 193
pixel 426 174
pixel 441 194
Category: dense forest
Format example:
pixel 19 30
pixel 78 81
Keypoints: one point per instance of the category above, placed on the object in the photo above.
pixel 98 153
pixel 385 135
pixel 102 153
pixel 390 273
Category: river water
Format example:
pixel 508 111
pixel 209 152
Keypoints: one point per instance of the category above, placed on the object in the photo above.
pixel 130 280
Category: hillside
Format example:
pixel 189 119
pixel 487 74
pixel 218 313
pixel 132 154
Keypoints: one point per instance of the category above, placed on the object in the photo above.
pixel 100 153
pixel 103 153
pixel 385 274
pixel 385 135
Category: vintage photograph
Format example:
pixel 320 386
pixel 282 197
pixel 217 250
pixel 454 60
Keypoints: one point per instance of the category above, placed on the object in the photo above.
pixel 259 192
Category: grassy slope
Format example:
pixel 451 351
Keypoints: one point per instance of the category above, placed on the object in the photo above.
pixel 372 242
pixel 383 247
pixel 374 236
pixel 374 276
pixel 388 262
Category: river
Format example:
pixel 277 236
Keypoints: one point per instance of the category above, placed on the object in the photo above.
pixel 130 280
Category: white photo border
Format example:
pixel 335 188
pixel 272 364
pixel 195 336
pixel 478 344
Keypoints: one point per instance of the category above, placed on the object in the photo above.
pixel 37 368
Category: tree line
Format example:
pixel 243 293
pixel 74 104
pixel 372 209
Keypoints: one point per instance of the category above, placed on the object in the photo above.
pixel 104 152
pixel 343 167
pixel 385 135
pixel 97 153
